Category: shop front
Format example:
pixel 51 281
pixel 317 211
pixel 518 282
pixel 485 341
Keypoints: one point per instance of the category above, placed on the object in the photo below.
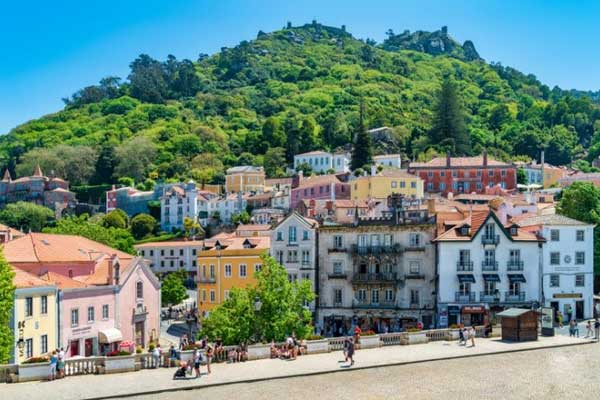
pixel 109 340
pixel 571 305
pixel 474 315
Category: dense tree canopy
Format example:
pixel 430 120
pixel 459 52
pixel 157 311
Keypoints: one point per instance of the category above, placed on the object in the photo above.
pixel 7 290
pixel 26 216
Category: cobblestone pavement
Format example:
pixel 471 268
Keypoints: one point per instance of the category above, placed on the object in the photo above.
pixel 92 386
pixel 559 373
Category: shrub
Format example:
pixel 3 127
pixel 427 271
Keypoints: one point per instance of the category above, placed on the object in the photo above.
pixel 138 350
pixel 151 346
pixel 368 333
pixel 36 360
pixel 414 330
pixel 117 353
pixel 314 337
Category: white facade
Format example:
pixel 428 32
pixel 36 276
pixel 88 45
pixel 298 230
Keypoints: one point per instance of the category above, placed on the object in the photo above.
pixel 166 257
pixel 178 202
pixel 568 264
pixel 293 245
pixel 231 205
pixel 322 161
pixel 388 160
pixel 484 272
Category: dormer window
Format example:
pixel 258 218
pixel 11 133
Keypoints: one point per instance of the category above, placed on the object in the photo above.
pixel 464 230
pixel 513 231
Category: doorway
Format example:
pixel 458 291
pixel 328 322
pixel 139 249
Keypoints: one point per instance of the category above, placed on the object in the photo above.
pixel 74 348
pixel 555 306
pixel 579 309
pixel 139 334
pixel 89 347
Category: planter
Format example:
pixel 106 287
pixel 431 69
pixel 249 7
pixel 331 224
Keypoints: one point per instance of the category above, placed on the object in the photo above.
pixel 186 355
pixel 119 364
pixel 453 334
pixel 34 372
pixel 417 338
pixel 317 346
pixel 259 351
pixel 369 342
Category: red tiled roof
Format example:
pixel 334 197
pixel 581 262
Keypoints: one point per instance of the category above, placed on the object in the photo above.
pixel 24 279
pixel 318 180
pixel 440 162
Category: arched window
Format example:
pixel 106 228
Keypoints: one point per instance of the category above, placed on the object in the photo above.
pixel 139 290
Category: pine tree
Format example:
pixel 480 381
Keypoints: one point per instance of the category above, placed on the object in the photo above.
pixel 449 129
pixel 105 165
pixel 362 152
pixel 7 290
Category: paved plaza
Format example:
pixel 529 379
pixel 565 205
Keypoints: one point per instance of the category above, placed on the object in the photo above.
pixel 98 386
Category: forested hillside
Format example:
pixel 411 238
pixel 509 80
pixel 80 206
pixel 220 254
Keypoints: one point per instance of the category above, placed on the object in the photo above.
pixel 294 90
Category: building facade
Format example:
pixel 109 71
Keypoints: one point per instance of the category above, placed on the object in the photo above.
pixel 130 200
pixel 388 160
pixel 381 185
pixel 319 187
pixel 166 257
pixel 377 273
pixel 485 267
pixel 464 174
pixel 245 179
pixel 324 162
pixel 294 245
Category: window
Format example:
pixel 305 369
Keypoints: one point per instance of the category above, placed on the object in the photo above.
pixel 442 186
pixel 227 270
pixel 211 269
pixel 257 267
pixel 28 306
pixel 490 256
pixel 414 267
pixel 554 235
pixel 414 296
pixel 162 263
pixel 292 234
pixel 554 280
pixel 305 235
pixel 479 187
pixel 305 256
pixel 91 312
pixel 430 186
pixel 338 242
pixel 430 174
pixel 555 258
pixel 44 305
pixel 74 317
pixel 242 270
pixel 180 252
pixel 162 252
pixel 292 277
pixel 374 296
pixel 172 252
pixel 464 256
pixel 413 185
pixel 337 296
pixel 203 294
pixel 389 295
pixel 361 295
pixel 579 257
pixel 442 173
pixel 29 348
pixel 415 240
pixel 279 236
pixel 579 280
pixel 503 173
pixel 514 288
pixel 181 263
pixel 212 296
pixel 172 263
pixel 139 290
pixel 338 268
pixel 194 252
pixel 490 231
pixel 454 185
pixel 306 276
pixel 490 173
pixel 279 255
pixel 489 288
pixel 455 174
pixel 44 344
pixel 464 288
pixel 394 184
pixel 515 256
pixel 292 256
pixel 105 311
pixel 193 263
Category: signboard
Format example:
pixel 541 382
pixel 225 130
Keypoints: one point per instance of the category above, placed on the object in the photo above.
pixel 547 321
pixel 473 309
pixel 567 295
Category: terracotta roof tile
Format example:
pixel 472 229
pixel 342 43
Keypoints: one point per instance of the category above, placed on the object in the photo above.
pixel 477 161
pixel 24 279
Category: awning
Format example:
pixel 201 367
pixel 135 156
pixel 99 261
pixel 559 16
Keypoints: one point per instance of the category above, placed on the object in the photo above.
pixel 110 335
pixel 491 277
pixel 466 278
pixel 516 278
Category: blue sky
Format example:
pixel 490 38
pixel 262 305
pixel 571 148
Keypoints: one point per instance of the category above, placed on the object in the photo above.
pixel 52 48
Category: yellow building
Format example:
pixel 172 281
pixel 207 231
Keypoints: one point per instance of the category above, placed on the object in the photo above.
pixel 227 263
pixel 34 318
pixel 385 183
pixel 245 179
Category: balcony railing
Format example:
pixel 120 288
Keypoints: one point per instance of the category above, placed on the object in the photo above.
pixel 514 265
pixel 493 239
pixel 489 297
pixel 488 265
pixel 340 275
pixel 461 297
pixel 379 305
pixel 464 266
pixel 510 297
pixel 337 249
pixel 415 247
pixel 375 277
pixel 375 249
pixel 207 279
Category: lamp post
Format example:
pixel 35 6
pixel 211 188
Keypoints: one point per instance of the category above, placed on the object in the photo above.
pixel 257 307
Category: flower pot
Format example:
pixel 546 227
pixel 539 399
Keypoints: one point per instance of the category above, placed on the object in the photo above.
pixel 369 342
pixel 186 355
pixel 417 338
pixel 119 364
pixel 34 372
pixel 259 351
pixel 317 346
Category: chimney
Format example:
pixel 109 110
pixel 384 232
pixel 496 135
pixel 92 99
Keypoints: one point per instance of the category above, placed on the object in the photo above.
pixel 448 160
pixel 485 162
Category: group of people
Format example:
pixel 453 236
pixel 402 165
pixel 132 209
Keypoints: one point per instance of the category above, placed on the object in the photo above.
pixel 57 364
pixel 592 329
pixel 466 334
pixel 289 350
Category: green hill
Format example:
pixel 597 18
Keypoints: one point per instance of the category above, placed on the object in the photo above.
pixel 294 90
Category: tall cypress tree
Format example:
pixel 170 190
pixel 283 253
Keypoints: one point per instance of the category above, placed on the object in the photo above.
pixel 7 290
pixel 449 128
pixel 362 152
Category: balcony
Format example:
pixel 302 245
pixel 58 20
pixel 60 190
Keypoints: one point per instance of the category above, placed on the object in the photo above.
pixel 414 276
pixel 337 249
pixel 514 297
pixel 415 247
pixel 306 265
pixel 375 277
pixel 335 275
pixel 493 239
pixel 489 265
pixel 379 305
pixel 207 279
pixel 489 297
pixel 375 250
pixel 464 266
pixel 468 297
pixel 514 266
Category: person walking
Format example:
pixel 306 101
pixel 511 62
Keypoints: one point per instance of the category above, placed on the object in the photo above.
pixel 588 329
pixel 575 327
pixel 156 356
pixel 197 360
pixel 571 328
pixel 60 366
pixel 461 336
pixel 559 317
pixel 209 356
pixel 597 329
pixel 350 353
pixel 345 348
pixel 53 362
pixel 172 356
pixel 472 336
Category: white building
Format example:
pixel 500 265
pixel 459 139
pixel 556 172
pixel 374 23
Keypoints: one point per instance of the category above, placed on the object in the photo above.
pixel 177 202
pixel 485 267
pixel 568 263
pixel 388 160
pixel 294 245
pixel 231 205
pixel 172 256
pixel 322 161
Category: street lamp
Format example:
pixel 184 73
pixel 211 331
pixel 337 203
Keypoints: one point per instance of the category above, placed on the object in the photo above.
pixel 257 307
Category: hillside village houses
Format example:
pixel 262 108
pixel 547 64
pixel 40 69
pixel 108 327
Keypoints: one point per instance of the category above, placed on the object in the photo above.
pixel 388 160
pixel 171 256
pixel 80 295
pixel 245 178
pixel 380 185
pixel 324 162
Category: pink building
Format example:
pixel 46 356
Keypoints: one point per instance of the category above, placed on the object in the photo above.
pixel 107 298
pixel 319 187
